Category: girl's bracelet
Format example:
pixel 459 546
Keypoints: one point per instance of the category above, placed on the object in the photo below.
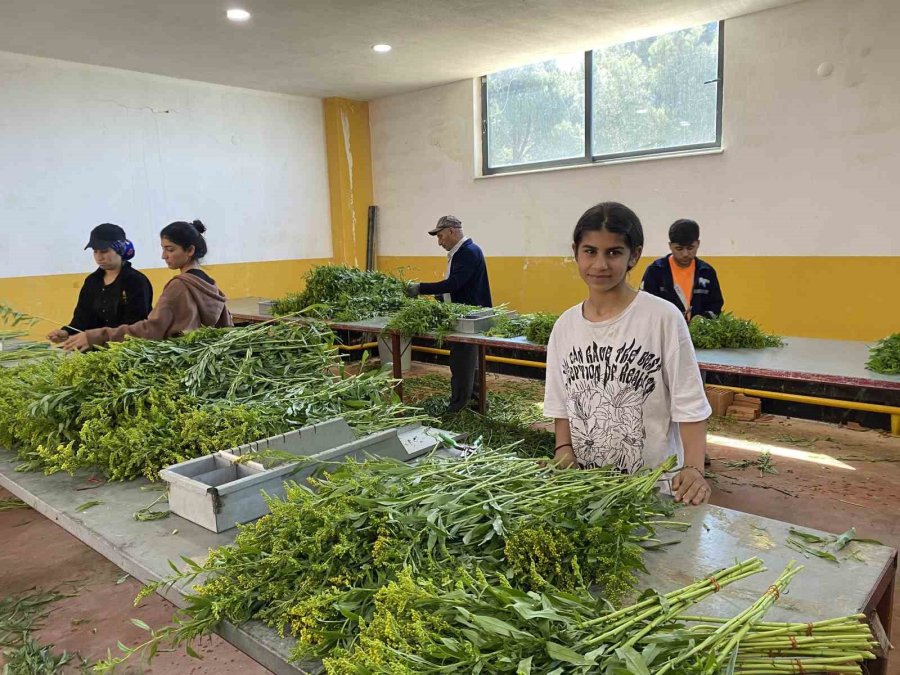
pixel 691 466
pixel 564 445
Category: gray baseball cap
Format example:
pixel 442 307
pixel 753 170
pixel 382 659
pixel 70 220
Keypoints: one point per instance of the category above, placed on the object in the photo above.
pixel 444 222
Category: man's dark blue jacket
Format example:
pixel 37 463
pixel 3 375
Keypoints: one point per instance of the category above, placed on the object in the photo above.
pixel 706 298
pixel 468 280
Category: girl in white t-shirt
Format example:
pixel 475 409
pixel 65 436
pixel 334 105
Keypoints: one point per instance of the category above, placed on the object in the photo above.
pixel 622 378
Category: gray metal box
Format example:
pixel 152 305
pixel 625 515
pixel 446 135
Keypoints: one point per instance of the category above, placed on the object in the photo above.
pixel 218 491
pixel 305 441
pixel 480 321
pixel 265 307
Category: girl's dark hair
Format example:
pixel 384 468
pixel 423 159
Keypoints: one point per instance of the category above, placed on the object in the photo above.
pixel 612 217
pixel 185 235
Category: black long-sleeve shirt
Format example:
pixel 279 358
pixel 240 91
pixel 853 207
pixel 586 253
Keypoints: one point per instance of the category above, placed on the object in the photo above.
pixel 126 300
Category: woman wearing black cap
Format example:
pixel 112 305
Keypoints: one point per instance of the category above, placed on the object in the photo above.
pixel 115 293
pixel 190 300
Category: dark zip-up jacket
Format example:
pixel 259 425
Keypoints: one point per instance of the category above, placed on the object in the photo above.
pixel 126 300
pixel 468 279
pixel 706 297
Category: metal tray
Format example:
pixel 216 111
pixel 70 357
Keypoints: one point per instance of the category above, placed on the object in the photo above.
pixel 220 490
pixel 479 322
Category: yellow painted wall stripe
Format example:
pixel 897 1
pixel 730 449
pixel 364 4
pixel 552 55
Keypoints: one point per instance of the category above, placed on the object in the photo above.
pixel 349 152
pixel 351 192
pixel 838 298
pixel 842 298
pixel 54 296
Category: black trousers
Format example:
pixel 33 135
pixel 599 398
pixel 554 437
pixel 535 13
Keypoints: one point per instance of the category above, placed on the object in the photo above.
pixel 463 364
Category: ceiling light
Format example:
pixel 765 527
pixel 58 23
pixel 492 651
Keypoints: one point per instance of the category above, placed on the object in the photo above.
pixel 381 49
pixel 238 14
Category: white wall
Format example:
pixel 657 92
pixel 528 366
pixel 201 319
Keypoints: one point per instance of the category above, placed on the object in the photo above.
pixel 810 166
pixel 81 145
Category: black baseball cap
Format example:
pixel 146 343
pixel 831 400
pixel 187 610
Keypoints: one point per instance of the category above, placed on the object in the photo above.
pixel 104 235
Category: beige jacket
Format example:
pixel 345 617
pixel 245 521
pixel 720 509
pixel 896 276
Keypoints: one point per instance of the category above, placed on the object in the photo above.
pixel 187 303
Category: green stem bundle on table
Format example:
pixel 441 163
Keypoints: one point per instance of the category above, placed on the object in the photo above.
pixel 492 564
pixel 728 331
pixel 137 406
pixel 344 293
pixel 312 568
pixel 535 327
pixel 426 316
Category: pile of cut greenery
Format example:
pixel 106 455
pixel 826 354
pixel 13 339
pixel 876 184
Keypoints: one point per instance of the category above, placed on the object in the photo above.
pixel 535 327
pixel 810 544
pixel 884 356
pixel 513 411
pixel 424 315
pixel 730 332
pixel 485 624
pixel 528 441
pixel 342 293
pixel 316 566
pixel 484 565
pixel 764 464
pixel 20 616
pixel 138 406
pixel 13 328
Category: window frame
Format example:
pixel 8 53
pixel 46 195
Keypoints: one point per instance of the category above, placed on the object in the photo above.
pixel 589 158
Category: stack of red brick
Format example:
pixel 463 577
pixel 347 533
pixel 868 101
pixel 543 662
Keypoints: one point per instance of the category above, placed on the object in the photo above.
pixel 739 406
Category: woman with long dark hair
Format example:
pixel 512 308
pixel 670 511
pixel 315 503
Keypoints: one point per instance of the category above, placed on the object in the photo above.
pixel 189 301
pixel 623 385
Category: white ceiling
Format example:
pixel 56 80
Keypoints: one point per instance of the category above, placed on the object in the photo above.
pixel 323 47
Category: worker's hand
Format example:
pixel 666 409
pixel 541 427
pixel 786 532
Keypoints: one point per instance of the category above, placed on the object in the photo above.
pixel 690 487
pixel 564 458
pixel 77 342
pixel 57 336
pixel 412 290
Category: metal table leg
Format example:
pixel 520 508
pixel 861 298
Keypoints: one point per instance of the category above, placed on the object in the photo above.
pixel 397 354
pixel 482 379
pixel 879 610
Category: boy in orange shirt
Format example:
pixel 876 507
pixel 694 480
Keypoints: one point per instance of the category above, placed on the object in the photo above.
pixel 682 278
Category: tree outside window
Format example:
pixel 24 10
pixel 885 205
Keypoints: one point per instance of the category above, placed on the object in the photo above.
pixel 659 94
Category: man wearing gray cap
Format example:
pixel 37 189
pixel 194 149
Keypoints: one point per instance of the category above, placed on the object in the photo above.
pixel 466 283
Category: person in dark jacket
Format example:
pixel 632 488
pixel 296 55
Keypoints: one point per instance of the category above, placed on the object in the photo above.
pixel 466 283
pixel 115 293
pixel 682 278
pixel 190 300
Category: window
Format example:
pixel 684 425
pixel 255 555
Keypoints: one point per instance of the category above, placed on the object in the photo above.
pixel 537 112
pixel 662 94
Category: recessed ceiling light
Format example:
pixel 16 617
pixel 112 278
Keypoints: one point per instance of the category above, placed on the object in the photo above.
pixel 381 49
pixel 238 14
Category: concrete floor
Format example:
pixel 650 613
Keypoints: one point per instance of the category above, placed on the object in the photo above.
pixel 859 490
pixel 37 553
pixel 833 479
